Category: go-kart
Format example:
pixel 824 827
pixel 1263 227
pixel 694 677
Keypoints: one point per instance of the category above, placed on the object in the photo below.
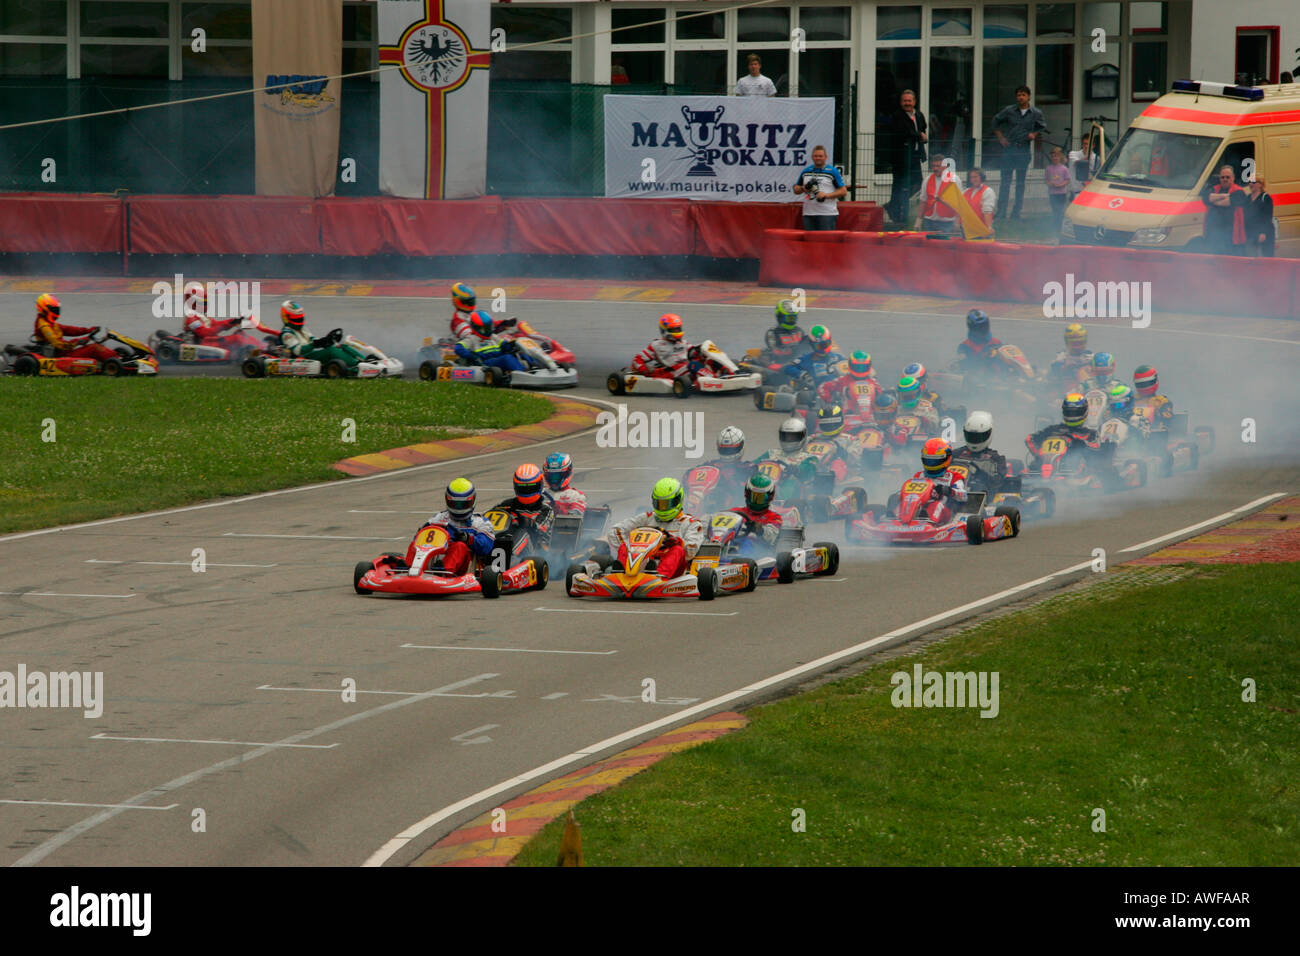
pixel 233 345
pixel 390 574
pixel 811 487
pixel 343 357
pixel 1168 439
pixel 1007 489
pixel 708 490
pixel 1007 373
pixel 710 371
pixel 904 520
pixel 633 574
pixel 543 367
pixel 35 358
pixel 1068 469
pixel 782 562
pixel 571 535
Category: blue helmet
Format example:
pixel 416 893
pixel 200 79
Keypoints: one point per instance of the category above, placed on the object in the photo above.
pixel 977 325
pixel 558 470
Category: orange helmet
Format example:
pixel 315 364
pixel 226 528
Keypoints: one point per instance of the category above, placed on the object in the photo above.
pixel 670 326
pixel 462 296
pixel 292 315
pixel 528 484
pixel 47 307
pixel 936 456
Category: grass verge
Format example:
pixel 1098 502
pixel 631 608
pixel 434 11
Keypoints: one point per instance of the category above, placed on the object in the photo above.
pixel 1125 696
pixel 131 445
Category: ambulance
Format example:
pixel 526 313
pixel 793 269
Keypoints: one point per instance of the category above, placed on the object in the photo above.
pixel 1148 192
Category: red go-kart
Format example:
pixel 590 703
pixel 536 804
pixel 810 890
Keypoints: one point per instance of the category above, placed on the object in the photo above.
pixel 390 573
pixel 906 519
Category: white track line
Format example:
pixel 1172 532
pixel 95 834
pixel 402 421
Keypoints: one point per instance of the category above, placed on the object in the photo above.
pixel 1217 519
pixel 61 594
pixel 394 693
pixel 314 537
pixel 515 650
pixel 610 610
pixel 105 806
pixel 35 855
pixel 231 743
pixel 208 564
pixel 397 843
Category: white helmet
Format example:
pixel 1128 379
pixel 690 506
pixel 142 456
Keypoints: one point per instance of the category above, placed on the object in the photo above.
pixel 792 435
pixel 978 430
pixel 731 442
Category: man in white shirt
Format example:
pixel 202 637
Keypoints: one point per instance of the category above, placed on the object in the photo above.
pixel 755 84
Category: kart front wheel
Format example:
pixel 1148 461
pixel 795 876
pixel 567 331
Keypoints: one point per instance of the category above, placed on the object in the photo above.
pixel 574 569
pixel 359 572
pixel 785 567
pixel 1007 511
pixel 542 572
pixel 975 529
pixel 428 371
pixel 832 558
pixel 490 583
pixel 335 368
pixel 253 368
pixel 166 352
pixel 707 582
pixel 751 566
pixel 681 389
pixel 615 383
pixel 112 367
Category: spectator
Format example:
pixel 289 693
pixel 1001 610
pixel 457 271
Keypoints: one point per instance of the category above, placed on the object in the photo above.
pixel 1058 186
pixel 1259 221
pixel 1225 215
pixel 935 215
pixel 821 185
pixel 1286 77
pixel 618 73
pixel 980 195
pixel 1083 165
pixel 907 139
pixel 1016 127
pixel 755 84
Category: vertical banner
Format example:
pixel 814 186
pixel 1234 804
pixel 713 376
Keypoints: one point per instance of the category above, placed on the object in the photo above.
pixel 433 112
pixel 296 45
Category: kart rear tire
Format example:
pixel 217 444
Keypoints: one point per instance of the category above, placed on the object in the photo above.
pixel 358 573
pixel 490 583
pixel 242 353
pixel 491 377
pixel 1008 511
pixel 253 368
pixel 832 558
pixel 336 368
pixel 859 497
pixel 573 569
pixel 167 353
pixel 112 367
pixel 891 505
pixel 760 395
pixel 614 382
pixel 26 365
pixel 707 582
pixel 681 389
pixel 975 529
pixel 785 567
pixel 543 570
pixel 752 565
pixel 805 398
pixel 428 371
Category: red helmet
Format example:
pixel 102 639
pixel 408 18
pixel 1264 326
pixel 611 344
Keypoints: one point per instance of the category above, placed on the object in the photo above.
pixel 47 307
pixel 481 323
pixel 291 314
pixel 1145 380
pixel 936 455
pixel 670 326
pixel 528 484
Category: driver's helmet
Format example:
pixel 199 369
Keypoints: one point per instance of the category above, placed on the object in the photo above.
pixel 666 498
pixel 731 442
pixel 528 484
pixel 978 430
pixel 1146 381
pixel 1103 366
pixel 787 316
pixel 759 492
pixel 936 455
pixel 292 315
pixel 820 338
pixel 1076 338
pixel 917 371
pixel 558 470
pixel 830 420
pixel 1074 409
pixel 977 325
pixel 792 435
pixel 462 297
pixel 1120 401
pixel 481 324
pixel 860 365
pixel 670 327
pixel 909 391
pixel 47 307
pixel 460 498
pixel 885 407
pixel 196 300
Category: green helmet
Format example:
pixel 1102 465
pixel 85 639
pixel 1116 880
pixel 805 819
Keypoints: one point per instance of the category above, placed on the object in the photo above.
pixel 787 316
pixel 759 492
pixel 909 391
pixel 666 498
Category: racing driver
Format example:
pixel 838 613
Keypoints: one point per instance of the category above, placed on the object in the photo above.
pixel 471 534
pixel 683 533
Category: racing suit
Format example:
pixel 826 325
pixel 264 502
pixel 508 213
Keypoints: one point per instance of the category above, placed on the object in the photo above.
pixel 764 525
pixel 472 536
pixel 732 475
pixel 205 330
pixel 685 534
pixel 927 413
pixel 1162 410
pixel 537 519
pixel 821 366
pixel 569 501
pixel 948 485
pixel 977 356
pixel 988 464
pixel 847 454
pixel 460 324
pixel 49 336
pixel 1065 367
pixel 858 403
pixel 665 354
pixel 784 345
pixel 493 350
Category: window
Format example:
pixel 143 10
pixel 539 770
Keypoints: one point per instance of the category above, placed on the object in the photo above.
pixel 763 23
pixel 701 71
pixel 99 59
pixel 641 67
pixel 637 26
pixel 538 25
pixel 1055 20
pixel 950 22
pixel 1149 17
pixel 825 23
pixel 221 21
pixel 527 25
pixel 776 66
pixel 1257 55
pixel 1164 160
pixel 33 59
pixel 898 23
pixel 708 26
pixel 122 38
pixel 952 81
pixel 1149 69
pixel 531 65
pixel 1004 70
pixel 897 69
pixel 1104 15
pixel 34 18
pixel 115 19
pixel 1006 23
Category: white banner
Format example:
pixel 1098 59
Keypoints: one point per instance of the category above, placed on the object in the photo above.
pixel 740 148
pixel 433 112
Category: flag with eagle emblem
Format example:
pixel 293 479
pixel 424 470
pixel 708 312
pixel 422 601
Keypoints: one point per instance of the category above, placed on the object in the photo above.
pixel 433 98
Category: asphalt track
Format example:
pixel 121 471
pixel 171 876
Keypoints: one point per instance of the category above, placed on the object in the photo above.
pixel 224 688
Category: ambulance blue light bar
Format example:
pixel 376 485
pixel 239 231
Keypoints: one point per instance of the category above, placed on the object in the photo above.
pixel 1219 89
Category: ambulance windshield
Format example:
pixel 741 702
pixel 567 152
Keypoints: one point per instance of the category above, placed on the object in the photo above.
pixel 1147 157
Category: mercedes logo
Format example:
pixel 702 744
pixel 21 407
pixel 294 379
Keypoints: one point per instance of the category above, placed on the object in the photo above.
pixel 1101 232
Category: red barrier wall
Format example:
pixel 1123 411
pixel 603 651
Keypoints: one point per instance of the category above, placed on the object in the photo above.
pixel 193 225
pixel 40 222
pixel 1006 272
pixel 601 227
pixel 376 225
pixel 731 230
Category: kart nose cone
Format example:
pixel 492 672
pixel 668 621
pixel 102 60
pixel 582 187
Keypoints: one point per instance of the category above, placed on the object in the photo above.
pixel 1047 470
